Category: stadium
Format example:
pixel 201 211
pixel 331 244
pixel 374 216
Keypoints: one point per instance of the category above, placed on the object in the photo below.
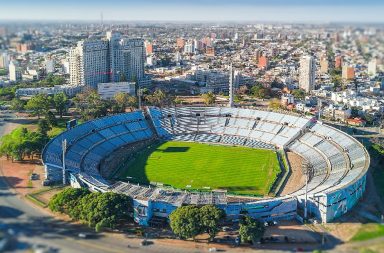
pixel 235 158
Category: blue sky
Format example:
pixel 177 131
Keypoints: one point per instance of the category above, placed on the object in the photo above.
pixel 196 10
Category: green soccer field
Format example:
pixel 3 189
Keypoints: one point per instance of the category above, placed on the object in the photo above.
pixel 189 165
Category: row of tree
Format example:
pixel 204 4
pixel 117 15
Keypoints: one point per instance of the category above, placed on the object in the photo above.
pixel 41 104
pixel 98 210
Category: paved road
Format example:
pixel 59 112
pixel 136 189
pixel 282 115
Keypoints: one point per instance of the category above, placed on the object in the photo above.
pixel 32 226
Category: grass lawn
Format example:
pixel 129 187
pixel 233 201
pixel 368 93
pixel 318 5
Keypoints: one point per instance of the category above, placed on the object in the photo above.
pixel 239 170
pixel 369 231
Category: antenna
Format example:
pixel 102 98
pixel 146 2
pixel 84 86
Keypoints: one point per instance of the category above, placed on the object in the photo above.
pixel 101 19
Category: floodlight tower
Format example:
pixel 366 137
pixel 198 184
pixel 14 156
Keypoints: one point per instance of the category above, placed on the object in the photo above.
pixel 307 170
pixel 231 84
pixel 64 150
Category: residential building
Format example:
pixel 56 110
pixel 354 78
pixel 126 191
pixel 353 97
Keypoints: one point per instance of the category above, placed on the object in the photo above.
pixel 372 67
pixel 15 73
pixel 348 72
pixel 307 73
pixel 113 59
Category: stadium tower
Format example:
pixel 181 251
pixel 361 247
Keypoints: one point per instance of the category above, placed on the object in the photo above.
pixel 231 83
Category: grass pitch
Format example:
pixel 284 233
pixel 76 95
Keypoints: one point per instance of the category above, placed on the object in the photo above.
pixel 189 165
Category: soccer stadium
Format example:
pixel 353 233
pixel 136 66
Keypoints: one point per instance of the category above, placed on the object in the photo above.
pixel 235 158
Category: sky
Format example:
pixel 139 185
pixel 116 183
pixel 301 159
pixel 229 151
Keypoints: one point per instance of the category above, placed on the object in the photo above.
pixel 196 10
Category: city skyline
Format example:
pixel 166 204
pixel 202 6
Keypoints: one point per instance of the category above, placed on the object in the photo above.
pixel 213 10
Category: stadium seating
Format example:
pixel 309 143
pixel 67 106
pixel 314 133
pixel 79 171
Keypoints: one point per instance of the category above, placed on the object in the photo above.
pixel 338 162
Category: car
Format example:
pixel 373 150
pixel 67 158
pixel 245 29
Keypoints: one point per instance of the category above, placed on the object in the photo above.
pixel 34 176
pixel 144 243
pixel 266 224
pixel 212 250
pixel 83 235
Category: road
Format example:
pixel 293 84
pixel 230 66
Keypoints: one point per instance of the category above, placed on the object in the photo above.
pixel 32 225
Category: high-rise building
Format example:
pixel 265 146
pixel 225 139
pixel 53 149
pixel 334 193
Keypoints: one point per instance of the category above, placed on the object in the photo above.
pixel 189 47
pixel 262 62
pixel 15 73
pixel 338 62
pixel 372 67
pixel 307 73
pixel 324 64
pixel 4 60
pixel 180 43
pixel 348 72
pixel 113 59
pixel 49 66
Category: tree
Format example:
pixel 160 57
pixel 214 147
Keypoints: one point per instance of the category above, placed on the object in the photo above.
pixel 38 104
pixel 185 222
pixel 210 217
pixel 243 90
pixel 60 101
pixel 105 209
pixel 43 127
pixel 90 105
pixel 123 100
pixel 259 91
pixel 21 142
pixel 51 119
pixel 66 200
pixel 251 230
pixel 209 98
pixel 274 104
pixel 17 104
pixel 298 94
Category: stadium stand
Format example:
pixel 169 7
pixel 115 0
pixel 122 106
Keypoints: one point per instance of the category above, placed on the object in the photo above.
pixel 337 162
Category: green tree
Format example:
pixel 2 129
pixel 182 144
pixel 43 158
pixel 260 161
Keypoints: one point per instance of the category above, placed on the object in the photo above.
pixel 251 230
pixel 90 105
pixel 105 209
pixel 210 217
pixel 43 127
pixel 21 142
pixel 66 200
pixel 259 91
pixel 38 104
pixel 298 94
pixel 17 104
pixel 185 222
pixel 60 101
pixel 51 119
pixel 209 98
pixel 124 100
pixel 274 104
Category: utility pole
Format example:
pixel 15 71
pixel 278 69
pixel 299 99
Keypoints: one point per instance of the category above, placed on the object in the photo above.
pixel 64 149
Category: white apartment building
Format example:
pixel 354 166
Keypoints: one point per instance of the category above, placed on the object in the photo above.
pixel 113 59
pixel 307 73
pixel 109 90
pixel 4 60
pixel 15 73
pixel 49 66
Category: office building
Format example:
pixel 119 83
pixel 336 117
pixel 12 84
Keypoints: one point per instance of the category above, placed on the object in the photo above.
pixel 307 73
pixel 109 90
